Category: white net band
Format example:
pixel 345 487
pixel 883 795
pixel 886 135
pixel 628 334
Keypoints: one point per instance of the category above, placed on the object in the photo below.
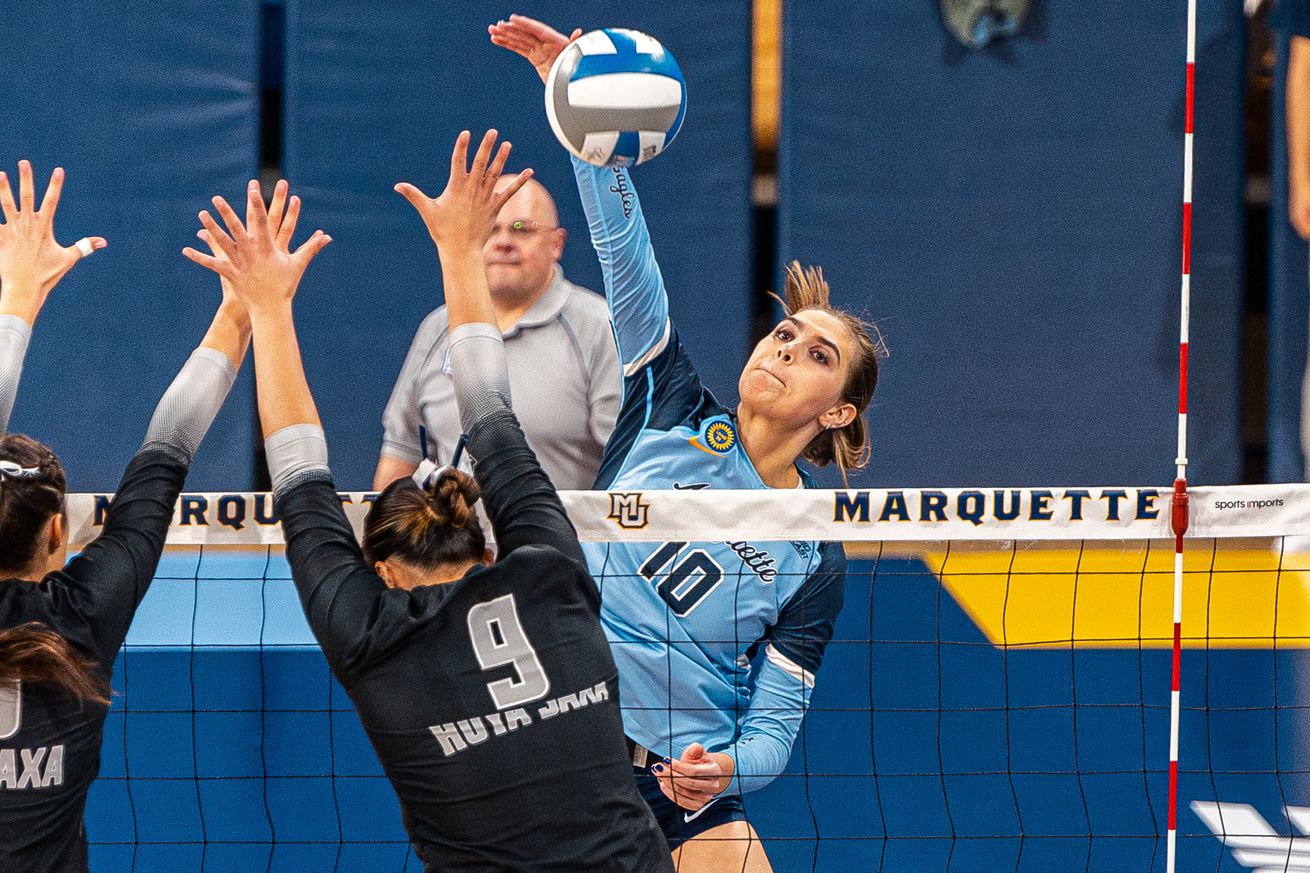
pixel 868 515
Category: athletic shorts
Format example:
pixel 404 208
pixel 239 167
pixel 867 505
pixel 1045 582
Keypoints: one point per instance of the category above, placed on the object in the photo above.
pixel 678 824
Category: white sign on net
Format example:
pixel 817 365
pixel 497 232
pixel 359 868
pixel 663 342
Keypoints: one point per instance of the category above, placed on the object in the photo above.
pixel 857 515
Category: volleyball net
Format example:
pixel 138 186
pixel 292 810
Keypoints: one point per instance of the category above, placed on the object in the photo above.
pixel 996 696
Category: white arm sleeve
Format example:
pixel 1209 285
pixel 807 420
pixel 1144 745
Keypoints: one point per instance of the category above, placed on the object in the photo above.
pixel 14 336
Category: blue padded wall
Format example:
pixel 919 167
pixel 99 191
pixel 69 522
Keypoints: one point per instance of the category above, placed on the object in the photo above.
pixel 1012 218
pixel 378 98
pixel 151 109
pixel 1287 306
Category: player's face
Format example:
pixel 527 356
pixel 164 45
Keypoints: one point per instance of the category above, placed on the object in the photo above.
pixel 796 374
pixel 521 255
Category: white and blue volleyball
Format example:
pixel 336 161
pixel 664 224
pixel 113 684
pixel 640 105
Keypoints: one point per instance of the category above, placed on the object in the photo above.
pixel 615 97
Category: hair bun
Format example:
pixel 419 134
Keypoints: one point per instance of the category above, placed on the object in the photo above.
pixel 452 497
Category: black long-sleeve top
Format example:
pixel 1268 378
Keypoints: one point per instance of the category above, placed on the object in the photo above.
pixel 491 701
pixel 49 743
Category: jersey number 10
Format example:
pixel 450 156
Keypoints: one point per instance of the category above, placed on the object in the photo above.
pixel 689 582
pixel 498 641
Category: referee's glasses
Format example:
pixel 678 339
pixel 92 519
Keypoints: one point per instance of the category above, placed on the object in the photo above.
pixel 520 227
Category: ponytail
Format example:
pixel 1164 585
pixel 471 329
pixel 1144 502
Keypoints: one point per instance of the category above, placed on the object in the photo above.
pixel 426 527
pixel 33 654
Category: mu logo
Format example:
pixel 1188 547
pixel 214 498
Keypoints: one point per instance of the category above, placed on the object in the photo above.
pixel 629 511
pixel 1252 842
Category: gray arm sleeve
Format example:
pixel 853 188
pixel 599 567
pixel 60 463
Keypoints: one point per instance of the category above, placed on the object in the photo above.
pixel 477 367
pixel 14 336
pixel 296 454
pixel 191 403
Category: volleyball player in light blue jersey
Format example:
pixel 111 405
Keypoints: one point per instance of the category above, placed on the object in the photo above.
pixel 717 643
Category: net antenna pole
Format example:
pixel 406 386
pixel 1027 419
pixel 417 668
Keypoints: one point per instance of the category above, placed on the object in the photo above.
pixel 1179 513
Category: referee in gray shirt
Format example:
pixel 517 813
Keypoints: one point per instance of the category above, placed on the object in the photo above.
pixel 563 367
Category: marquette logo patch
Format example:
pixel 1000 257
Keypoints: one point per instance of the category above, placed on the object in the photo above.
pixel 718 438
pixel 629 511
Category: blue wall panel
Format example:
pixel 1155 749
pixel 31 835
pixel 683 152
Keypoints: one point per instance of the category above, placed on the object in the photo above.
pixel 378 98
pixel 151 109
pixel 1287 307
pixel 1011 218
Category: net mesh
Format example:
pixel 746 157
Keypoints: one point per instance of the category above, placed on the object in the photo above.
pixel 996 702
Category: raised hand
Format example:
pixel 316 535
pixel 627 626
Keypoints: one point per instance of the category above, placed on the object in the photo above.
pixel 31 261
pixel 255 257
pixel 282 218
pixel 465 213
pixel 539 43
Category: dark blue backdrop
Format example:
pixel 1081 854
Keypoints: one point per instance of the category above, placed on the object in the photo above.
pixel 151 111
pixel 1012 220
pixel 377 98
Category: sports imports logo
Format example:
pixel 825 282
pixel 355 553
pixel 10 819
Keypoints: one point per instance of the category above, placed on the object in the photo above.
pixel 1252 842
pixel 629 510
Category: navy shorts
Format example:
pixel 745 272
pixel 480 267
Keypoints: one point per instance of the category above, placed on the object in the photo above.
pixel 678 824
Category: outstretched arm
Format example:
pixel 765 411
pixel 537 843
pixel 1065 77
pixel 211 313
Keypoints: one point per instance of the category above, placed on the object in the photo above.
pixel 113 573
pixel 337 589
pixel 31 264
pixel 634 287
pixel 523 506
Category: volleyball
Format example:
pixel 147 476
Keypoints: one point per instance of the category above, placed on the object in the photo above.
pixel 615 97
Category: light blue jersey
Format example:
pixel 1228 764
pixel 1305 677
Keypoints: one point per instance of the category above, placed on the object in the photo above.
pixel 716 642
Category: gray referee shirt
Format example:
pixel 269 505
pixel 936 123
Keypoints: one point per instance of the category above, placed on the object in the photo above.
pixel 563 372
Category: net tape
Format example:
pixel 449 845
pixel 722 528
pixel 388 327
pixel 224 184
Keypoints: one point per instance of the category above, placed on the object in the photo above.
pixel 864 515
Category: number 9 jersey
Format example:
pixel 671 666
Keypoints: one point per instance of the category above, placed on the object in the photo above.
pixel 492 700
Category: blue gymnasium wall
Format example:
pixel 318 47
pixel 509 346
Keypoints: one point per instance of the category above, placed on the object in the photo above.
pixel 1011 218
pixel 1287 306
pixel 376 98
pixel 151 108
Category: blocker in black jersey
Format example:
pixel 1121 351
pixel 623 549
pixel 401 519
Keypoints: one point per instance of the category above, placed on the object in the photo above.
pixel 49 744
pixel 491 701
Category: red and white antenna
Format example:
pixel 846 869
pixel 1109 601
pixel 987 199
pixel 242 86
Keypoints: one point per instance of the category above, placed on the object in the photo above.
pixel 1179 515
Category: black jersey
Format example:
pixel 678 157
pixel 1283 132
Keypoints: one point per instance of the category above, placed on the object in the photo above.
pixel 491 701
pixel 49 743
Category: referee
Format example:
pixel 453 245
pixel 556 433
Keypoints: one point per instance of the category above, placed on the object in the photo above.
pixel 61 624
pixel 488 690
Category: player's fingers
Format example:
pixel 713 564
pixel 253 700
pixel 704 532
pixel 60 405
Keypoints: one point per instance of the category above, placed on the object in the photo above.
pixel 277 207
pixel 50 202
pixel 216 235
pixel 577 32
pixel 693 751
pixel 230 218
pixel 533 27
pixel 459 156
pixel 7 204
pixel 88 245
pixel 221 267
pixel 317 241
pixel 513 188
pixel 256 214
pixel 483 156
pixel 288 229
pixel 516 42
pixel 26 190
pixel 498 162
pixel 416 198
